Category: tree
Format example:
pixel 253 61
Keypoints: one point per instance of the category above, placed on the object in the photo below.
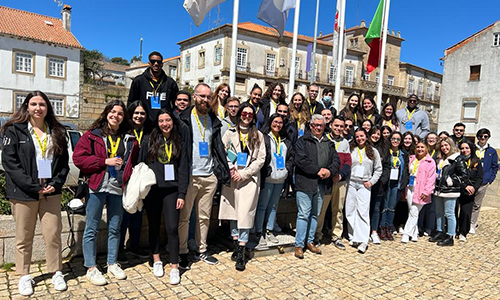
pixel 135 58
pixel 119 60
pixel 93 61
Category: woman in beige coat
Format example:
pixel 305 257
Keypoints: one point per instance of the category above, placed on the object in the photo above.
pixel 246 153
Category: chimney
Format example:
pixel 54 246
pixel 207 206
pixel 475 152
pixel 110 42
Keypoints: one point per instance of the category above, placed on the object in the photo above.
pixel 66 17
pixel 392 32
pixel 363 23
pixel 399 34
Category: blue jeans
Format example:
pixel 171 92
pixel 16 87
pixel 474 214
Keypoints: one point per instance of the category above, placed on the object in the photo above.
pixel 267 206
pixel 375 211
pixel 390 203
pixel 95 205
pixel 446 207
pixel 242 234
pixel 309 207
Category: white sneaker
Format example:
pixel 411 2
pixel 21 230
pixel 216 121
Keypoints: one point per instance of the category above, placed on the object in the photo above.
pixel 262 245
pixel 362 247
pixel 405 239
pixel 158 269
pixel 401 230
pixel 414 238
pixel 116 271
pixel 472 229
pixel 462 238
pixel 58 281
pixel 25 285
pixel 95 276
pixel 175 278
pixel 375 238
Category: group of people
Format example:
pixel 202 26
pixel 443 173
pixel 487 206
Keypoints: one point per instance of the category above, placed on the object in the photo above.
pixel 357 164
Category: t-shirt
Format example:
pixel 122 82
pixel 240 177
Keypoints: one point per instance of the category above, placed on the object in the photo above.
pixel 201 166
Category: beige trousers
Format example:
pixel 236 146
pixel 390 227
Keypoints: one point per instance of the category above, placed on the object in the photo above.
pixel 336 200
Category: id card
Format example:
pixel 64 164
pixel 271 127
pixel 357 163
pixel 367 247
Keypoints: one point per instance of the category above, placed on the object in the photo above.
pixel 169 172
pixel 301 132
pixel 438 172
pixel 203 147
pixel 409 125
pixel 412 180
pixel 359 171
pixel 241 160
pixel 280 161
pixel 155 102
pixel 44 168
pixel 394 174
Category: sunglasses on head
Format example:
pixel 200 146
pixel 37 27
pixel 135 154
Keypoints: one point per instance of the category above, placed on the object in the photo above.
pixel 245 114
pixel 153 61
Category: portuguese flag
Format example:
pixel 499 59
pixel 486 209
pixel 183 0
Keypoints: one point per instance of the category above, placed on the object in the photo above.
pixel 373 38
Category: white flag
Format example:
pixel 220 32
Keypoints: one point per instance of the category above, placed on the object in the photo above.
pixel 336 38
pixel 275 13
pixel 198 9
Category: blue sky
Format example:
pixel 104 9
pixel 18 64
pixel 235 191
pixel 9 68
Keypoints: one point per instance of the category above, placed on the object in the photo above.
pixel 115 27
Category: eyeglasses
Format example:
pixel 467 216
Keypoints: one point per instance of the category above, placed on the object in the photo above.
pixel 317 125
pixel 245 114
pixel 204 97
pixel 154 61
pixel 232 107
pixel 484 136
pixel 396 140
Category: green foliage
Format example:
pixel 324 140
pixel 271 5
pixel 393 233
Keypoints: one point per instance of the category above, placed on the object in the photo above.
pixel 119 60
pixel 135 58
pixel 93 61
pixel 4 203
pixel 7 266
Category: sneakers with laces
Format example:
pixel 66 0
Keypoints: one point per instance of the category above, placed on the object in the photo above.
pixel 58 281
pixel 175 278
pixel 462 238
pixel 25 285
pixel 375 238
pixel 271 237
pixel 116 271
pixel 262 245
pixel 96 277
pixel 338 243
pixel 209 259
pixel 158 269
pixel 472 229
pixel 362 247
pixel 184 262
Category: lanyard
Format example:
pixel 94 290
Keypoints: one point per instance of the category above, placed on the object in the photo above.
pixel 415 167
pixel 433 152
pixel 369 117
pixel 274 104
pixel 441 163
pixel 410 115
pixel 355 118
pixel 395 159
pixel 311 108
pixel 244 140
pixel 139 135
pixel 388 123
pixel 221 111
pixel 114 146
pixel 43 146
pixel 155 90
pixel 480 154
pixel 467 163
pixel 298 121
pixel 278 143
pixel 168 149
pixel 329 136
pixel 199 124
pixel 360 153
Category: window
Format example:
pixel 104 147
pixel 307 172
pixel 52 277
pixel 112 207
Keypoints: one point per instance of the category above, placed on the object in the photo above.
pixel 420 88
pixel 331 74
pixel 428 93
pixel 57 105
pixel 410 86
pixel 475 73
pixel 24 62
pixel 436 93
pixel 56 67
pixel 241 59
pixel 172 70
pixel 354 43
pixel 218 55
pixel 496 39
pixel 366 77
pixel 470 109
pixel 377 78
pixel 188 62
pixel 19 98
pixel 349 75
pixel 390 80
pixel 201 59
pixel 297 66
pixel 270 64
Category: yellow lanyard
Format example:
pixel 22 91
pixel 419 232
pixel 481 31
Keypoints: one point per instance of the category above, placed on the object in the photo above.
pixel 369 117
pixel 410 115
pixel 388 123
pixel 274 104
pixel 244 140
pixel 139 135
pixel 168 149
pixel 298 121
pixel 433 152
pixel 278 144
pixel 394 158
pixel 467 163
pixel 202 132
pixel 157 87
pixel 43 146
pixel 441 163
pixel 311 108
pixel 360 153
pixel 355 118
pixel 480 154
pixel 415 167
pixel 329 136
pixel 221 111
pixel 114 146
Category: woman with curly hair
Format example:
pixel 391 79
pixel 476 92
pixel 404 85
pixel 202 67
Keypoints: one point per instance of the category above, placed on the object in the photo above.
pixel 299 113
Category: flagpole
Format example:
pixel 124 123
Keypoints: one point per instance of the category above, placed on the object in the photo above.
pixel 291 83
pixel 313 60
pixel 340 51
pixel 234 39
pixel 387 4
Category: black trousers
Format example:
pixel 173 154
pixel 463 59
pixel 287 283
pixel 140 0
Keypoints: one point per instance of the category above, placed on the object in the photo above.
pixel 427 217
pixel 158 200
pixel 466 203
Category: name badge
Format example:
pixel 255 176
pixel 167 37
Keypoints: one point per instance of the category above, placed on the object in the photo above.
pixel 438 172
pixel 169 172
pixel 412 180
pixel 409 125
pixel 44 168
pixel 394 174
pixel 155 102
pixel 241 160
pixel 359 171
pixel 301 132
pixel 280 161
pixel 203 147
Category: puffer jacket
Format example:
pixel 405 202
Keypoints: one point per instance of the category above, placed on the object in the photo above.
pixel 453 174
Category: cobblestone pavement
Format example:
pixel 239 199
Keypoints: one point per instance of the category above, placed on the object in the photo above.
pixel 390 271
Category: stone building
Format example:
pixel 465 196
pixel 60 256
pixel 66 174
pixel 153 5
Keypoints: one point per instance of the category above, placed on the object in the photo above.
pixel 471 83
pixel 170 66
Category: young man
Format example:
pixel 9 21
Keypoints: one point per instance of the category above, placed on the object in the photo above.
pixel 327 114
pixel 348 129
pixel 232 106
pixel 413 119
pixel 291 130
pixel 182 101
pixel 458 133
pixel 315 107
pixel 327 100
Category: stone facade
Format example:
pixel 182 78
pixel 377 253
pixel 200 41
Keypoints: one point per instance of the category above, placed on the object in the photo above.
pixel 94 99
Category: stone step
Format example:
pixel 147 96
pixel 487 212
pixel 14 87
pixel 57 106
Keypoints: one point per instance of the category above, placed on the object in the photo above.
pixel 286 244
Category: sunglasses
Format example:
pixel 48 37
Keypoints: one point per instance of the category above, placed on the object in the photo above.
pixel 459 130
pixel 484 136
pixel 348 126
pixel 245 114
pixel 412 100
pixel 154 61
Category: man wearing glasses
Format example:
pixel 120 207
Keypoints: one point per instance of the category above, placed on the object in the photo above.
pixel 154 88
pixel 232 106
pixel 458 133
pixel 315 107
pixel 489 159
pixel 413 119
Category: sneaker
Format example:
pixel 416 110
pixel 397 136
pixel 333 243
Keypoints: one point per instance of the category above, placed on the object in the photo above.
pixel 462 238
pixel 209 259
pixel 158 269
pixel 472 229
pixel 184 262
pixel 116 271
pixel 414 238
pixel 58 282
pixel 95 276
pixel 122 257
pixel 354 244
pixel 271 237
pixel 139 252
pixel 375 239
pixel 25 285
pixel 175 278
pixel 401 230
pixel 338 243
pixel 427 233
pixel 405 239
pixel 262 245
pixel 362 247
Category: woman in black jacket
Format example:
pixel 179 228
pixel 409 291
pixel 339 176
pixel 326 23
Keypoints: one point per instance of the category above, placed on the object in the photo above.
pixel 35 160
pixel 469 188
pixel 163 152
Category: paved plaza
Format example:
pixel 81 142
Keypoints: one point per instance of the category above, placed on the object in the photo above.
pixel 390 271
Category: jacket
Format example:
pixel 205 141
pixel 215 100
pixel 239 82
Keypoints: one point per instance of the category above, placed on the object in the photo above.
pixel 221 169
pixel 380 188
pixel 474 178
pixel 419 120
pixel 403 169
pixel 306 164
pixel 140 183
pixel 266 108
pixel 19 163
pixel 344 152
pixel 425 179
pixel 453 174
pixel 375 119
pixel 266 168
pixel 490 165
pixel 90 157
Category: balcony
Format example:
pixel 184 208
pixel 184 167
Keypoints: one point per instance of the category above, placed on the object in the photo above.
pixel 271 73
pixel 298 74
pixel 349 81
pixel 428 96
pixel 437 98
pixel 420 94
pixel 372 86
pixel 243 68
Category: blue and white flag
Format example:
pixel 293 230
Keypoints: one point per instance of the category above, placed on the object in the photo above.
pixel 198 9
pixel 275 13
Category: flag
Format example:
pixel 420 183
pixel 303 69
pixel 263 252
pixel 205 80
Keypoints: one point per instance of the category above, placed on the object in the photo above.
pixel 373 38
pixel 275 13
pixel 336 39
pixel 198 9
pixel 309 57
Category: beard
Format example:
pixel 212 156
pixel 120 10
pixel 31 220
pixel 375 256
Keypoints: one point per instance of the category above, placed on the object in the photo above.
pixel 202 107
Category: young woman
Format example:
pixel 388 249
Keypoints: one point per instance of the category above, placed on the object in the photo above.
pixel 255 101
pixel 386 132
pixel 365 172
pixel 369 111
pixel 351 110
pixel 469 188
pixel 409 143
pixel 35 160
pixel 277 166
pixel 427 215
pixel 162 152
pixel 442 135
pixel 274 95
pixel 397 182
pixel 431 140
pixel 422 170
pixel 246 156
pixel 299 113
pixel 389 118
pixel 221 93
pixel 451 172
pixel 367 125
pixel 106 154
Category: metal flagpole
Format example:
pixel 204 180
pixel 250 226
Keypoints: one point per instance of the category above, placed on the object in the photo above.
pixel 313 60
pixel 291 82
pixel 340 53
pixel 234 39
pixel 387 4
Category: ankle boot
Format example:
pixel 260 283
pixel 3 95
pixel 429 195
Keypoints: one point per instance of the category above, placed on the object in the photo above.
pixel 383 233
pixel 388 233
pixel 446 241
pixel 436 237
pixel 235 250
pixel 240 258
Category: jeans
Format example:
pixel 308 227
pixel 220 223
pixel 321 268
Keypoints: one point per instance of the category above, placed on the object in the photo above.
pixel 114 208
pixel 309 206
pixel 446 207
pixel 132 222
pixel 389 210
pixel 242 234
pixel 267 206
pixel 375 204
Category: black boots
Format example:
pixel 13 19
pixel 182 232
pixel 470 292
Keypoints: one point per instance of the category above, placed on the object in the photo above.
pixel 240 258
pixel 235 250
pixel 446 241
pixel 437 236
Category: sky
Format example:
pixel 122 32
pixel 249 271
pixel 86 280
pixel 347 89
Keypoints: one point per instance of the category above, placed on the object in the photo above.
pixel 115 27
